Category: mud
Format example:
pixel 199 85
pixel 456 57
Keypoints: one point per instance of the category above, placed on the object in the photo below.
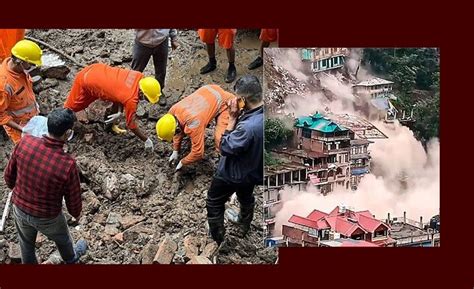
pixel 133 199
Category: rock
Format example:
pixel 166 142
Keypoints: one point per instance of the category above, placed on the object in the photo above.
pixel 131 220
pixel 104 53
pixel 199 260
pixel 191 246
pixel 118 237
pixel 155 112
pixel 209 250
pixel 131 236
pixel 112 191
pixel 89 138
pixel 3 243
pixel 100 34
pixel 116 58
pixel 127 57
pixel 166 251
pixel 112 224
pixel 40 238
pixel 148 253
pixel 14 252
pixel 2 257
pixel 142 108
pixel 92 204
pixel 45 84
pixel 96 111
pixel 58 72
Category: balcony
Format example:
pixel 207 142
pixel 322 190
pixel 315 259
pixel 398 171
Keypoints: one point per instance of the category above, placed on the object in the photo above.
pixel 335 151
pixel 359 170
pixel 330 138
pixel 360 156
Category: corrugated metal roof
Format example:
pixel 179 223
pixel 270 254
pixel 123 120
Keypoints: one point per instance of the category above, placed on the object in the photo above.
pixel 319 123
pixel 374 81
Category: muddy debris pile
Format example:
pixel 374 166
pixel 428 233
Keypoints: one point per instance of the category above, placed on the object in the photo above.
pixel 136 209
pixel 280 84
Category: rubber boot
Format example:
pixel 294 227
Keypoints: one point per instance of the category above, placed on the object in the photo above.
pixel 162 101
pixel 217 229
pixel 256 63
pixel 246 217
pixel 210 66
pixel 231 73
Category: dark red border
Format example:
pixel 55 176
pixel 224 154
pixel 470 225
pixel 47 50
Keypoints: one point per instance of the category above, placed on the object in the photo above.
pixel 303 23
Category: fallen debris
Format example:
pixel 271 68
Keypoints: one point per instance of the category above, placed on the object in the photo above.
pixel 166 251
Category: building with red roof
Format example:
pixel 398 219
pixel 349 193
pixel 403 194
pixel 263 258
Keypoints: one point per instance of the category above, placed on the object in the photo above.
pixel 340 223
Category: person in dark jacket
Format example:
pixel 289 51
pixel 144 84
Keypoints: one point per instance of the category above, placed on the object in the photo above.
pixel 240 167
pixel 41 174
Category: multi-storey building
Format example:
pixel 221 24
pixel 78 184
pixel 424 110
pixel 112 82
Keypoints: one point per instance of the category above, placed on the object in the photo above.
pixel 340 224
pixel 323 59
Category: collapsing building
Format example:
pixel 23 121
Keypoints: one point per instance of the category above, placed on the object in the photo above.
pixel 342 227
pixel 379 92
pixel 327 152
pixel 324 59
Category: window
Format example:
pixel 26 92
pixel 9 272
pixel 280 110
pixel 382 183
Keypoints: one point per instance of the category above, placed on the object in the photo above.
pixel 379 234
pixel 306 133
pixel 334 60
pixel 324 63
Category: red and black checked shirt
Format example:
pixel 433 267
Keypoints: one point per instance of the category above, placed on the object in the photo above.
pixel 40 174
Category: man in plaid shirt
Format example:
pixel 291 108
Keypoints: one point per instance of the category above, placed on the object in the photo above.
pixel 41 174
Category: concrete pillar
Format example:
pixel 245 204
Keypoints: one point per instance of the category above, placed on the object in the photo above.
pixel 268 185
pixel 404 217
pixel 299 175
pixel 276 180
pixel 421 222
pixel 291 177
pixel 283 177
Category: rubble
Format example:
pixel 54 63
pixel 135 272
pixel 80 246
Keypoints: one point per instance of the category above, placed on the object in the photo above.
pixel 166 251
pixel 111 191
pixel 199 260
pixel 14 252
pixel 148 253
pixel 210 250
pixel 112 224
pixel 191 246
pixel 141 189
pixel 57 72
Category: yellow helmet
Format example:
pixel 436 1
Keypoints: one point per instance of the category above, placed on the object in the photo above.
pixel 151 88
pixel 166 127
pixel 28 51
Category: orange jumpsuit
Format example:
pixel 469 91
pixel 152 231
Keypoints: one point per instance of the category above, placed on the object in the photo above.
pixel 17 99
pixel 101 81
pixel 269 35
pixel 195 112
pixel 225 36
pixel 8 38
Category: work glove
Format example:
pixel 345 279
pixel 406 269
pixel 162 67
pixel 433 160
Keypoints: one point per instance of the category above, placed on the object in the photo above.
pixel 118 130
pixel 149 144
pixel 173 157
pixel 179 166
pixel 113 118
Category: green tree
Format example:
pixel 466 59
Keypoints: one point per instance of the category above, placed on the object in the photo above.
pixel 276 133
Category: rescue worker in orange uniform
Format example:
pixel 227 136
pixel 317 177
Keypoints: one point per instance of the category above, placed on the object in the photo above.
pixel 17 99
pixel 123 87
pixel 8 38
pixel 267 36
pixel 190 117
pixel 226 41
